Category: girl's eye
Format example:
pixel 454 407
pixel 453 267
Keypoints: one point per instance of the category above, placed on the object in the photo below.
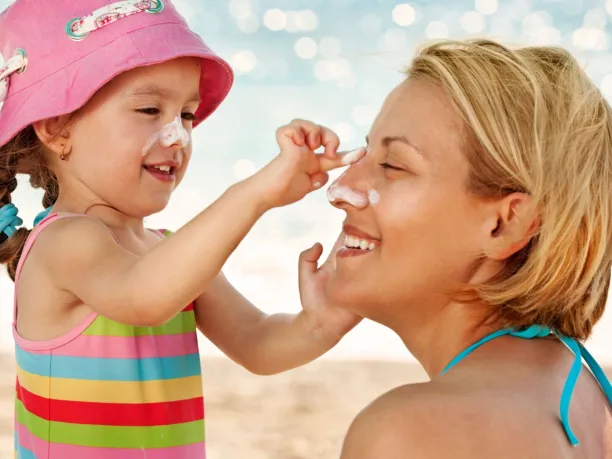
pixel 389 166
pixel 149 111
pixel 152 111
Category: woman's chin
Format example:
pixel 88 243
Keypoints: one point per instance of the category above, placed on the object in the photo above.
pixel 349 294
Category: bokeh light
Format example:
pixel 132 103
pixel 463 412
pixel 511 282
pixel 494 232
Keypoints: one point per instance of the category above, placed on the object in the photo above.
pixel 306 48
pixel 403 14
pixel 275 19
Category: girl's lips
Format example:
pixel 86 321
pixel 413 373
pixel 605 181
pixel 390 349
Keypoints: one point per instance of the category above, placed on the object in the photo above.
pixel 163 176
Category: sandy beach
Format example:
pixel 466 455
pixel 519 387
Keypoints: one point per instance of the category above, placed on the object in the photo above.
pixel 301 414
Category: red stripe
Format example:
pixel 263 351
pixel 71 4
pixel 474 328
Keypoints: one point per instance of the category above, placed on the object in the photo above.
pixel 188 308
pixel 113 414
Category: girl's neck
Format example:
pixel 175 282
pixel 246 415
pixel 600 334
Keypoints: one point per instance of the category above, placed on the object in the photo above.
pixel 113 218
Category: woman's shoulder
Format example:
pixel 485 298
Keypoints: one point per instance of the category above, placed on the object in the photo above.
pixel 433 419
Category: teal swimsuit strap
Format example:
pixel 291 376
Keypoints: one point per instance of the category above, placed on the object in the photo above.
pixel 538 331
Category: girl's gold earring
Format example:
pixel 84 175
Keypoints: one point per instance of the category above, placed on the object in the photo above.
pixel 64 155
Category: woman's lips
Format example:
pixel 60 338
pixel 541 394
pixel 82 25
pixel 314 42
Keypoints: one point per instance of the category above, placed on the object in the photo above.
pixel 357 242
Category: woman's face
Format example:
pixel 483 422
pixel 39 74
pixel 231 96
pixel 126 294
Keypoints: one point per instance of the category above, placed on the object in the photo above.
pixel 407 199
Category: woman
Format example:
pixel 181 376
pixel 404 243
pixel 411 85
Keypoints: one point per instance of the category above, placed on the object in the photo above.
pixel 479 228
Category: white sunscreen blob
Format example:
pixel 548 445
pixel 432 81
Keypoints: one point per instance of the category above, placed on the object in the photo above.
pixel 353 156
pixel 168 135
pixel 355 199
pixel 337 191
pixel 373 196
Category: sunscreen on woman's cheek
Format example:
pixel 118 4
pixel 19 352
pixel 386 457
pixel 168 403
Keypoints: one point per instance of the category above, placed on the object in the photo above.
pixel 168 135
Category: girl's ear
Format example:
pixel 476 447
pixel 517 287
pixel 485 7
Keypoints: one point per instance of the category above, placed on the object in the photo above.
pixel 53 132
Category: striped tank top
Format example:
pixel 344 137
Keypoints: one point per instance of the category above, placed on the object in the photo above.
pixel 108 390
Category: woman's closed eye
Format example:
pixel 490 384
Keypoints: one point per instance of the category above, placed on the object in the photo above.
pixel 386 165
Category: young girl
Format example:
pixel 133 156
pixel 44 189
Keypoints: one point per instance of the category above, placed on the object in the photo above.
pixel 99 100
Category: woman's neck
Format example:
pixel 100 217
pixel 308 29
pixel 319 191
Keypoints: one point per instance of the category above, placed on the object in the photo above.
pixel 436 339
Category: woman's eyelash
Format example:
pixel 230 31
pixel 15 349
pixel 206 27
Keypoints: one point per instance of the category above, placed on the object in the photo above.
pixel 385 165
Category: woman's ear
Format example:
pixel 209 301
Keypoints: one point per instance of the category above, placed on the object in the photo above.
pixel 516 221
pixel 53 132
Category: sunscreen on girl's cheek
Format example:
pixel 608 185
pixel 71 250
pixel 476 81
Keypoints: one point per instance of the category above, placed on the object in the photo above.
pixel 168 135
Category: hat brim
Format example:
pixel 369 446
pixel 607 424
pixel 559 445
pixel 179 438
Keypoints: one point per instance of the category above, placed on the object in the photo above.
pixel 69 89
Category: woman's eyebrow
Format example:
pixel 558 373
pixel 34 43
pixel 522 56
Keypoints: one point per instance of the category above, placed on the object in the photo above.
pixel 388 140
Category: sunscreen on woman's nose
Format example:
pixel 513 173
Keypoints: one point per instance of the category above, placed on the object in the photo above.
pixel 340 192
pixel 336 191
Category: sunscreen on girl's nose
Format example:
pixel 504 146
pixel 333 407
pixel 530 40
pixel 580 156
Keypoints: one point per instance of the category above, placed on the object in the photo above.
pixel 168 135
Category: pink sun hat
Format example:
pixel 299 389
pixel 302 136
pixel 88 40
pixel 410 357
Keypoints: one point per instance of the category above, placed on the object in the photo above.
pixel 58 53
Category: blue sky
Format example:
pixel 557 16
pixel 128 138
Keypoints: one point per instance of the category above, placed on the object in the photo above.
pixel 332 61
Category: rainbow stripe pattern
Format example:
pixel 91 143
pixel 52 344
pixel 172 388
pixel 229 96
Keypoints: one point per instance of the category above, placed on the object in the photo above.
pixel 108 390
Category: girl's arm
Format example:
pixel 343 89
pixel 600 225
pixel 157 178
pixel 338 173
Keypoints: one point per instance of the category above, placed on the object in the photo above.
pixel 82 257
pixel 268 344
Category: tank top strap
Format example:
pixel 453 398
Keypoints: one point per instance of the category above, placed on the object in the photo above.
pixel 580 353
pixel 45 222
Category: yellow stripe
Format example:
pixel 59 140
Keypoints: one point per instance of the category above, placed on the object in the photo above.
pixel 77 390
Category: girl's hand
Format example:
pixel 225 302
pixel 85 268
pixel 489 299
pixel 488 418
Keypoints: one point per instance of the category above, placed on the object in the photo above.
pixel 298 170
pixel 322 317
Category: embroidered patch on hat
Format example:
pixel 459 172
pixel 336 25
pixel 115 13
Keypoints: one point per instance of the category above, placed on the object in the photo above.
pixel 80 28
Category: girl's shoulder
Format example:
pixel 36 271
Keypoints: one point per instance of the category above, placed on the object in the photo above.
pixel 61 236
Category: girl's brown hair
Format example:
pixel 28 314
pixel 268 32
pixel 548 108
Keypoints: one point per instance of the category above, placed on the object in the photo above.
pixel 23 154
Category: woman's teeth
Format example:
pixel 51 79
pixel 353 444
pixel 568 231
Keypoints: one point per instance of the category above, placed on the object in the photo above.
pixel 162 168
pixel 356 243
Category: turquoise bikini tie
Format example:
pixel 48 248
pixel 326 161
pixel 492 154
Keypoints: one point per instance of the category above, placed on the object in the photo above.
pixel 538 331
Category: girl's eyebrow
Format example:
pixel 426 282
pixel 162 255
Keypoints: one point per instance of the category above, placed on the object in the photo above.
pixel 152 89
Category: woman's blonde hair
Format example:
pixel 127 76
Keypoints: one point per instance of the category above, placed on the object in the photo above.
pixel 535 123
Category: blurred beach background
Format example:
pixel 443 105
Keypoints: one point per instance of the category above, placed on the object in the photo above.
pixel 331 61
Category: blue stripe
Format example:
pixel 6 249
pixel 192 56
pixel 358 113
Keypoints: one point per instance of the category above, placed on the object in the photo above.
pixel 99 369
pixel 23 453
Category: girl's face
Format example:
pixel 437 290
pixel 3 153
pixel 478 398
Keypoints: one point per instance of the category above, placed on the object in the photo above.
pixel 131 142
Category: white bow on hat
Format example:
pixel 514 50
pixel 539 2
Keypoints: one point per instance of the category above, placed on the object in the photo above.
pixel 18 64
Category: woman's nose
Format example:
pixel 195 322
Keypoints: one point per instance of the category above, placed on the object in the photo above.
pixel 346 191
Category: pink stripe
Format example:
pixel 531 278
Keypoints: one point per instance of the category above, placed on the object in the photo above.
pixel 45 450
pixel 127 347
pixel 45 346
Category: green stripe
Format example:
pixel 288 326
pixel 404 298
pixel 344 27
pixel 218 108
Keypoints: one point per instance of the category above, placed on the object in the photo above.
pixel 184 322
pixel 111 436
